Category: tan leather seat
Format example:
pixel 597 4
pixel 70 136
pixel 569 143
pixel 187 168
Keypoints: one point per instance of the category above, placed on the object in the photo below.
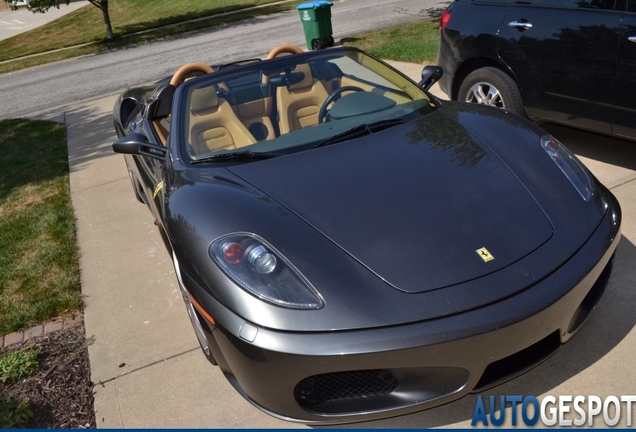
pixel 299 103
pixel 213 123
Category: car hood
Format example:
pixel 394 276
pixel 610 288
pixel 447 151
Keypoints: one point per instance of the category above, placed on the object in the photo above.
pixel 424 205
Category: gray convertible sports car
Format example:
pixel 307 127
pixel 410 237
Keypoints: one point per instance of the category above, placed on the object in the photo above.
pixel 348 246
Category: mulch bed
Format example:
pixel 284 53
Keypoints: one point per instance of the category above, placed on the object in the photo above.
pixel 61 392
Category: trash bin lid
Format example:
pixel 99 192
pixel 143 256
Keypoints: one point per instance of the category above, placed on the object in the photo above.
pixel 314 5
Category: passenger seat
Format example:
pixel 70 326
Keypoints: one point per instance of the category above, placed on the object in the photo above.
pixel 213 123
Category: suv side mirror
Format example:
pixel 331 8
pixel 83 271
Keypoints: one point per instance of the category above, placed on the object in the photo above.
pixel 430 75
pixel 138 144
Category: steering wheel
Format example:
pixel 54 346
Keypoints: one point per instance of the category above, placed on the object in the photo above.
pixel 285 48
pixel 188 68
pixel 322 113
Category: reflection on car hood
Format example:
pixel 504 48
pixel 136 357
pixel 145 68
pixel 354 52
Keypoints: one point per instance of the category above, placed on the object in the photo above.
pixel 416 204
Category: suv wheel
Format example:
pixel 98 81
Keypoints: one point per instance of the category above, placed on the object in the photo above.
pixel 490 86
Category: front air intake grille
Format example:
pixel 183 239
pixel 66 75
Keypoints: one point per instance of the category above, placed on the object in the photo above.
pixel 340 386
pixel 591 299
pixel 519 362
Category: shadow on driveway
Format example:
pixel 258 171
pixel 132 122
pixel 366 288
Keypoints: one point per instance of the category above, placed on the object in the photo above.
pixel 89 128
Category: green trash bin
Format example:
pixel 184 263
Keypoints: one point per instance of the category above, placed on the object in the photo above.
pixel 316 18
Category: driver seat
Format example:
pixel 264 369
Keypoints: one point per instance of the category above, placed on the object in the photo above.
pixel 299 103
pixel 213 123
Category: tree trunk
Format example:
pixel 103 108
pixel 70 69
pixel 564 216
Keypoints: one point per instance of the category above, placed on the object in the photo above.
pixel 109 29
pixel 103 6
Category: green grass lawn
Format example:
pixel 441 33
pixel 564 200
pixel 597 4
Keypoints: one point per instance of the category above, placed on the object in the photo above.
pixel 14 366
pixel 416 42
pixel 39 269
pixel 128 17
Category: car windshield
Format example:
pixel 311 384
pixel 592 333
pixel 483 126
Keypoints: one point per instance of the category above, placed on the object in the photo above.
pixel 292 103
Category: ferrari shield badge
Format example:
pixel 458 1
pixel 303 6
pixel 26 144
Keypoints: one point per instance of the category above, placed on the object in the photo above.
pixel 484 254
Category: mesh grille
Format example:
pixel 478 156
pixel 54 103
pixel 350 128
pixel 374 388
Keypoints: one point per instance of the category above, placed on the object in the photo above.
pixel 344 385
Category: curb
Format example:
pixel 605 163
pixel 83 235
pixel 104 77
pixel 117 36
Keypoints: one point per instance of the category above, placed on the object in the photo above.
pixel 23 336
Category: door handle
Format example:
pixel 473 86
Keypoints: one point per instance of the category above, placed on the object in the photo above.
pixel 632 38
pixel 520 25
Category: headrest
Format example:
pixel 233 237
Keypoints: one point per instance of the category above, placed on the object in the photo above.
pixel 325 70
pixel 308 79
pixel 204 100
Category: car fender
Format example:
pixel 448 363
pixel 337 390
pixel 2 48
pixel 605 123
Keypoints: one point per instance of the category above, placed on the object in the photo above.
pixel 518 141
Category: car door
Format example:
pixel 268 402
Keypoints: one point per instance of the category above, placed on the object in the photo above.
pixel 563 53
pixel 150 172
pixel 624 114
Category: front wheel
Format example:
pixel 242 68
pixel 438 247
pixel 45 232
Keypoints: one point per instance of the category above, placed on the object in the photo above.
pixel 491 86
pixel 198 328
pixel 192 314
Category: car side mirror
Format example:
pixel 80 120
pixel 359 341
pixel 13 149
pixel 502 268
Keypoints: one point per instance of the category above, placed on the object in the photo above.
pixel 430 75
pixel 138 144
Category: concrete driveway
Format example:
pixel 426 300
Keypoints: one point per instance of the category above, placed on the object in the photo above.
pixel 146 361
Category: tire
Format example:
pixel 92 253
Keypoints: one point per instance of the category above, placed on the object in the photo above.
pixel 198 330
pixel 316 44
pixel 491 86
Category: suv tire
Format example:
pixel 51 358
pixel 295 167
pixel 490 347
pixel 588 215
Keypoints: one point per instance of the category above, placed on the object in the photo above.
pixel 491 86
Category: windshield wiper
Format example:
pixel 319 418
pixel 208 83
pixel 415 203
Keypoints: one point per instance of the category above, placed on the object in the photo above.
pixel 361 130
pixel 236 155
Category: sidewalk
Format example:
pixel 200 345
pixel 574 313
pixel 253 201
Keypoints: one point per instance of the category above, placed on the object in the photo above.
pixel 15 22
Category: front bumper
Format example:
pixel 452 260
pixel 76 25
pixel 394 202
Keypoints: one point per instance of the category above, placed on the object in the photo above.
pixel 345 376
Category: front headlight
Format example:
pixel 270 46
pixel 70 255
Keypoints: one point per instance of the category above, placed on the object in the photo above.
pixel 261 270
pixel 569 165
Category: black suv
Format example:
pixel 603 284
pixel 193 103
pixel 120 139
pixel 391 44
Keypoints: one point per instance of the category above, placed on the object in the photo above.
pixel 564 61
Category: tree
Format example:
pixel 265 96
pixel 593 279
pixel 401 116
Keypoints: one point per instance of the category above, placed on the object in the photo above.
pixel 42 6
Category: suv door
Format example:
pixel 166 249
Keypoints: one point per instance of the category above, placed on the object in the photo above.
pixel 563 53
pixel 624 114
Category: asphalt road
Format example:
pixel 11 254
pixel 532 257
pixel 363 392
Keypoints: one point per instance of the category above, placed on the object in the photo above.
pixel 66 82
